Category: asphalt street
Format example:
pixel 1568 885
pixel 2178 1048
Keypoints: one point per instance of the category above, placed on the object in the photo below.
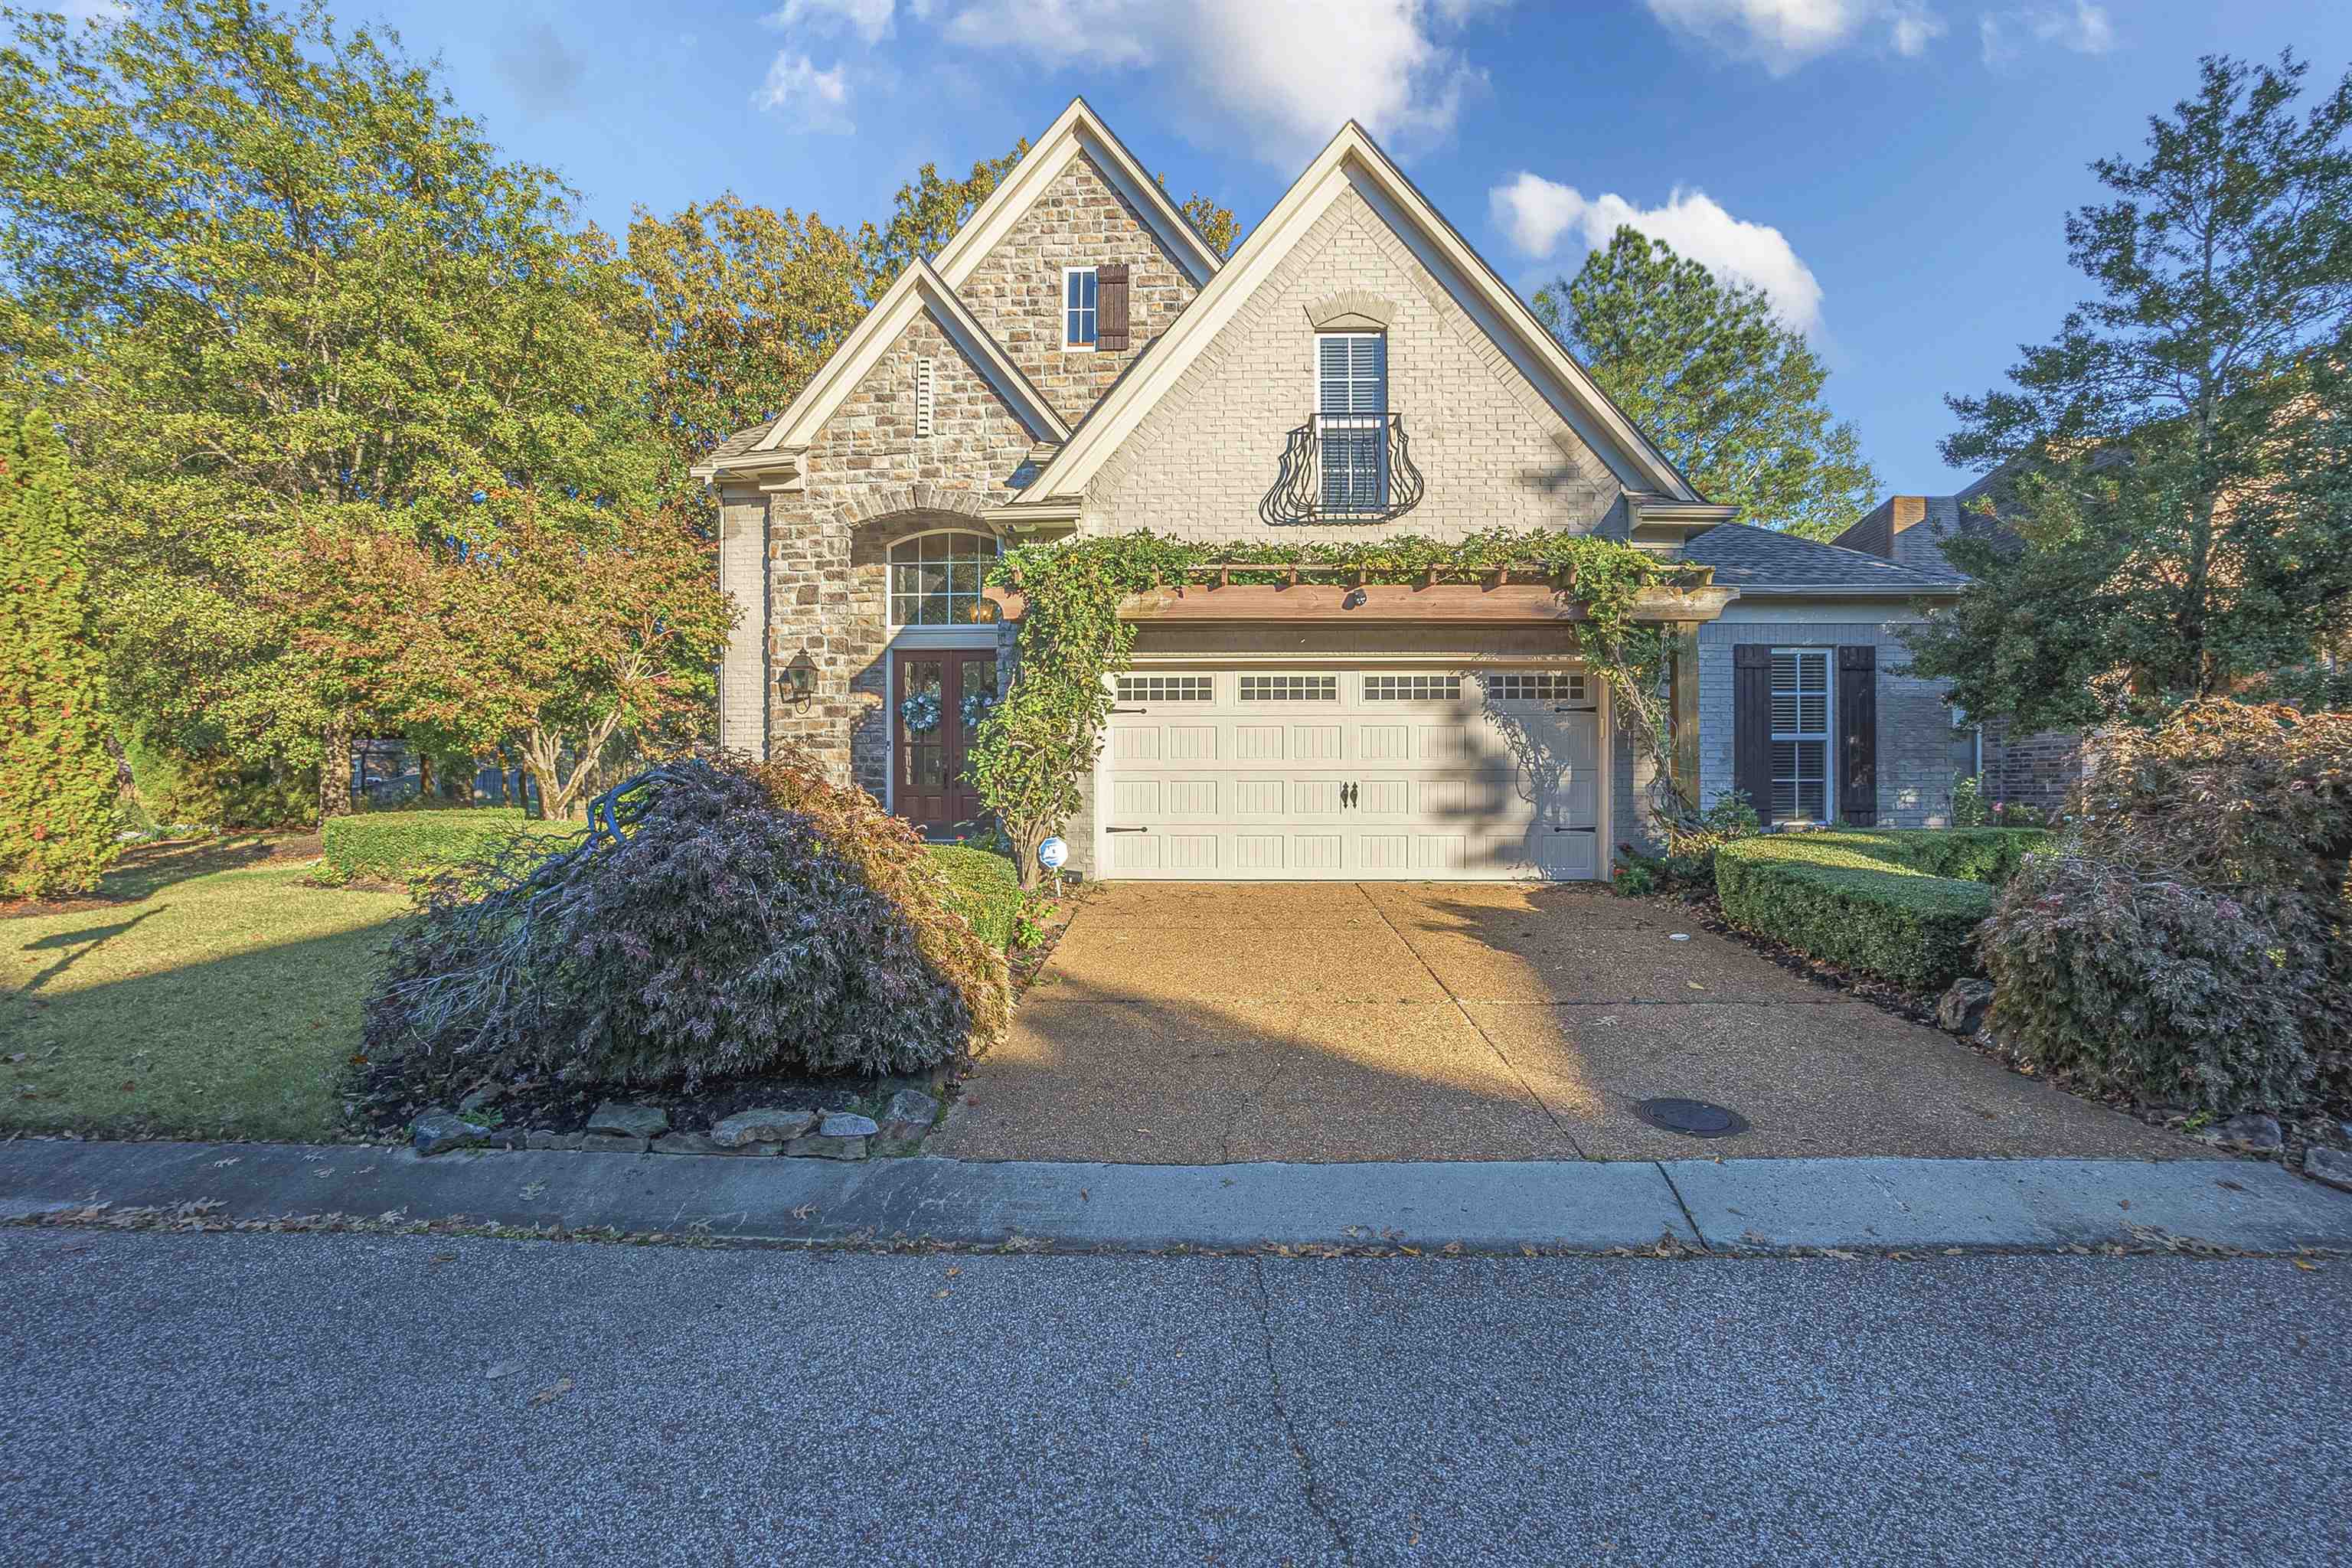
pixel 348 1399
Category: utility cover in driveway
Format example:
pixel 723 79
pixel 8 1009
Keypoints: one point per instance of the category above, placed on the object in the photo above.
pixel 1694 1118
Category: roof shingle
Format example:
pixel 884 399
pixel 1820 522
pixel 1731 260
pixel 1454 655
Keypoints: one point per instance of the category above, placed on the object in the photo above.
pixel 1760 560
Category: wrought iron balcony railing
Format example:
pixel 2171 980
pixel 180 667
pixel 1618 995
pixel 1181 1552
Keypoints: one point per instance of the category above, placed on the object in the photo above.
pixel 1344 467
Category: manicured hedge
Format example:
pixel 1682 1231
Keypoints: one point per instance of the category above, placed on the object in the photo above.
pixel 407 845
pixel 983 888
pixel 1904 905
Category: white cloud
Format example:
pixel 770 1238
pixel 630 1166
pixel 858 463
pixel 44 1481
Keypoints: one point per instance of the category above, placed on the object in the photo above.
pixel 2083 29
pixel 1538 214
pixel 869 19
pixel 818 100
pixel 1284 75
pixel 1782 35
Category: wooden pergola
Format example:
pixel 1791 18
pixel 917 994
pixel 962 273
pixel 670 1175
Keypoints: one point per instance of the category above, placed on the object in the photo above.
pixel 1313 591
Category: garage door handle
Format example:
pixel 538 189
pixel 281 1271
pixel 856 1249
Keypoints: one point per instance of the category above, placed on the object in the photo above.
pixel 1127 830
pixel 1130 710
pixel 1555 830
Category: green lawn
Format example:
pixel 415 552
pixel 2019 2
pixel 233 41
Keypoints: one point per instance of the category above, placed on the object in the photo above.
pixel 211 994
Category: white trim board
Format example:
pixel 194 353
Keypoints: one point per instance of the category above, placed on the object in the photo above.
pixel 919 288
pixel 1076 129
pixel 1352 161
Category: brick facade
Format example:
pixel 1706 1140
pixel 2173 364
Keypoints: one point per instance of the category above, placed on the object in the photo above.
pixel 1015 290
pixel 1492 452
pixel 1917 749
pixel 2038 771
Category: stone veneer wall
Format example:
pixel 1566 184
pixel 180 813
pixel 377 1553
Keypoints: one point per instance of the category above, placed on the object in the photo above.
pixel 1492 452
pixel 870 481
pixel 1081 220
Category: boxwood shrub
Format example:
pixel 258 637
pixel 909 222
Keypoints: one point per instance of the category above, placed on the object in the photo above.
pixel 414 846
pixel 984 887
pixel 1900 904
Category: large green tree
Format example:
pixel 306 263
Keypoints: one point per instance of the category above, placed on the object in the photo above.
pixel 273 284
pixel 2175 464
pixel 739 306
pixel 57 777
pixel 924 217
pixel 1729 392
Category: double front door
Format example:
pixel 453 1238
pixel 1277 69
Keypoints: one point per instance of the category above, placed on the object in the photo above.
pixel 938 698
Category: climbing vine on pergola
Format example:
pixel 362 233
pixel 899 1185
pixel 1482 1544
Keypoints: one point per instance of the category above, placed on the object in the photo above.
pixel 1035 749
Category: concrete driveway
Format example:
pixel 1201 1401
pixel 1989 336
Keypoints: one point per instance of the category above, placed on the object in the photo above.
pixel 1196 1023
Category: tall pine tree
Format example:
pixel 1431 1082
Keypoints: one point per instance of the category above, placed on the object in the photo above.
pixel 57 779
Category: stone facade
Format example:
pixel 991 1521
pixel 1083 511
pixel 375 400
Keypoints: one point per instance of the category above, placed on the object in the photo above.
pixel 1492 452
pixel 869 481
pixel 1916 747
pixel 1015 290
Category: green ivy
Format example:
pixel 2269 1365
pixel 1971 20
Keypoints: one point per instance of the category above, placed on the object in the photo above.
pixel 1036 747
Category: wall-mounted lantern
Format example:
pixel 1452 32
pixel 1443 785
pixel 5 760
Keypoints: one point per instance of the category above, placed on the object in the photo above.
pixel 796 682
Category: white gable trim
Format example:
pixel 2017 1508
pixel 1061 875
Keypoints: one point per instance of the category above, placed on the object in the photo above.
pixel 919 288
pixel 1076 129
pixel 1353 160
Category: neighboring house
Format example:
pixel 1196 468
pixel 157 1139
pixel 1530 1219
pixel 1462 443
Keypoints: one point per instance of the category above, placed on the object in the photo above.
pixel 1077 360
pixel 2037 770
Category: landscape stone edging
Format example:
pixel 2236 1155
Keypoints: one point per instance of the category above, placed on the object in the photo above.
pixel 828 1135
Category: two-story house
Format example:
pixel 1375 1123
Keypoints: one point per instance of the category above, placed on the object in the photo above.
pixel 1077 360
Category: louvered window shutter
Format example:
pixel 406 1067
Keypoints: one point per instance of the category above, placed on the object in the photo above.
pixel 1751 724
pixel 1857 711
pixel 1110 297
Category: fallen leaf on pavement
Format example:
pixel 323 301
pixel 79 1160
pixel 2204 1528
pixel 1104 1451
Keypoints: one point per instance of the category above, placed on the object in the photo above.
pixel 803 1211
pixel 548 1396
pixel 498 1370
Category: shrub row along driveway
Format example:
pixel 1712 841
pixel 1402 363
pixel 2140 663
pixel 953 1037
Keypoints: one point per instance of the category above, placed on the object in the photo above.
pixel 1201 1022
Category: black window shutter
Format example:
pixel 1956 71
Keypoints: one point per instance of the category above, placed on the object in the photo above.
pixel 1857 701
pixel 1751 724
pixel 1110 307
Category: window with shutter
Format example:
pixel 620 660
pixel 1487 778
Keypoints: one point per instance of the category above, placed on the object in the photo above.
pixel 1351 415
pixel 1800 735
pixel 1081 304
pixel 1111 307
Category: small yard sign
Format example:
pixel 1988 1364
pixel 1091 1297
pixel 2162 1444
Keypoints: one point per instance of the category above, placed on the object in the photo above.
pixel 1053 853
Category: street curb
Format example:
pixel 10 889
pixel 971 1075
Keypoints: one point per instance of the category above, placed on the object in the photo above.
pixel 1728 1206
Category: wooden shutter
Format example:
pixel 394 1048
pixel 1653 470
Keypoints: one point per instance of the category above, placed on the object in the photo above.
pixel 1751 724
pixel 1110 307
pixel 1857 706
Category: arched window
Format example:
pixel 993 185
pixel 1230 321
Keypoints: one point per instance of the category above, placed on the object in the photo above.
pixel 935 578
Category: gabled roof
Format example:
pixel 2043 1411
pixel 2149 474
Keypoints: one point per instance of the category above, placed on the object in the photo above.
pixel 1077 128
pixel 1758 561
pixel 1352 160
pixel 919 288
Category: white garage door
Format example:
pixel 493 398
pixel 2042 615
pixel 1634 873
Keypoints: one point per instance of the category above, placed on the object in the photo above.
pixel 1370 774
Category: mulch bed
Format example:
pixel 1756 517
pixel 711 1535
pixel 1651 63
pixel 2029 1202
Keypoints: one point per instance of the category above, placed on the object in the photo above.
pixel 2323 1122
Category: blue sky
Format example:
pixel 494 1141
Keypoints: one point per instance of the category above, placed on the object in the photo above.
pixel 1895 171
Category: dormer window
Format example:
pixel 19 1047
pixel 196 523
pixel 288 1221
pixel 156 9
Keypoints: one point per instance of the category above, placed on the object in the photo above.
pixel 1080 302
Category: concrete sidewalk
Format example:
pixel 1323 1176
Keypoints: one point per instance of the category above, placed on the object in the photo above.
pixel 1576 1205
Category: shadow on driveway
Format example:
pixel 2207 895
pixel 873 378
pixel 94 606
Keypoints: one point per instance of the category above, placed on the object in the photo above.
pixel 1195 1023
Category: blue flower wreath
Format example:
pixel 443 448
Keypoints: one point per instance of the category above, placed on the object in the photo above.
pixel 919 713
pixel 975 707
